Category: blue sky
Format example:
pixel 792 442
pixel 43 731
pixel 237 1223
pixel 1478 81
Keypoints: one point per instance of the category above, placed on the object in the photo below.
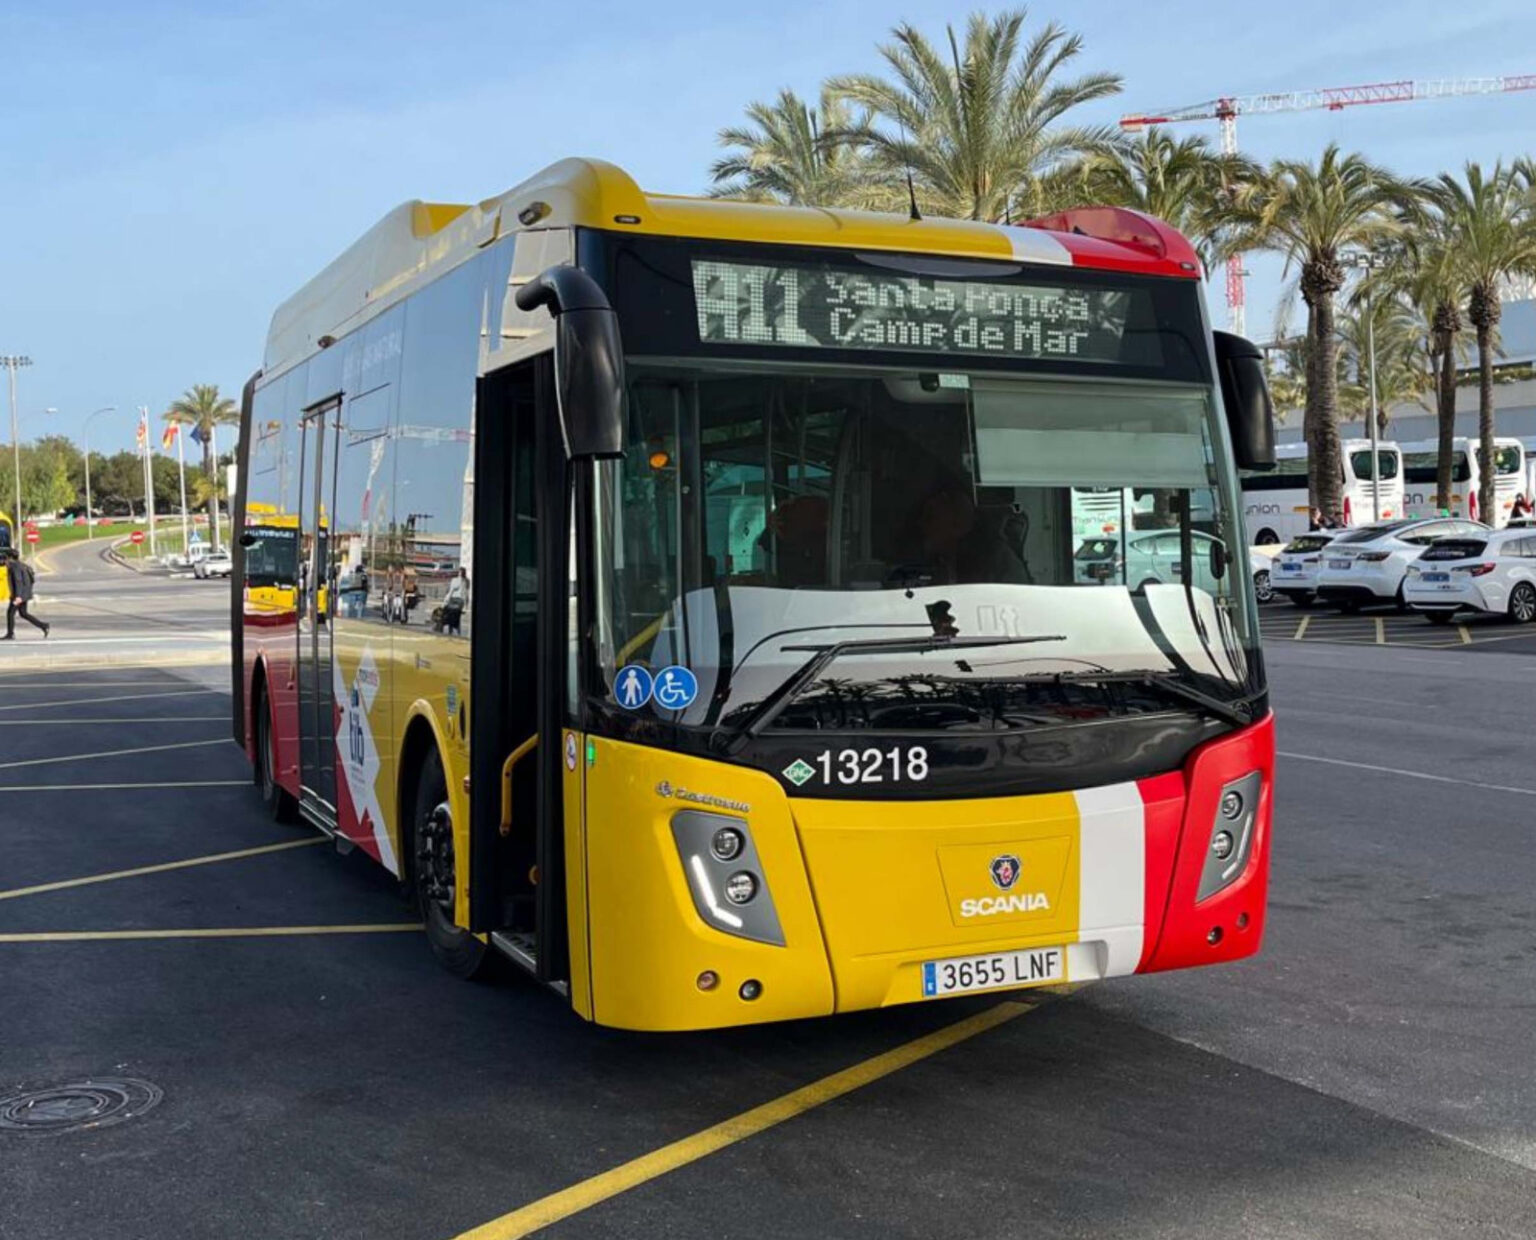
pixel 170 172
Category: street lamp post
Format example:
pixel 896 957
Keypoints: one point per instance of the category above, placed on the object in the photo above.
pixel 13 362
pixel 1371 260
pixel 90 530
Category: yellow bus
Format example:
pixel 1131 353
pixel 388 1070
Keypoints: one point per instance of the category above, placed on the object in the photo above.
pixel 7 541
pixel 687 602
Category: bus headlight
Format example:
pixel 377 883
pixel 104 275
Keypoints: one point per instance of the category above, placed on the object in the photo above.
pixel 1231 838
pixel 725 876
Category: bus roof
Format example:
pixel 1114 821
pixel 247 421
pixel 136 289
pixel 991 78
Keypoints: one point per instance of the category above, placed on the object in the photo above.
pixel 418 241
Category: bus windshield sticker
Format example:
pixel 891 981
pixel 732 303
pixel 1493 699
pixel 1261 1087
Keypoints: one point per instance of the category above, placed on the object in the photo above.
pixel 675 689
pixel 817 306
pixel 632 687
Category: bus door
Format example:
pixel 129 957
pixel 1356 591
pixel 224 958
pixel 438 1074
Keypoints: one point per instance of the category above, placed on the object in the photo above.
pixel 317 707
pixel 520 669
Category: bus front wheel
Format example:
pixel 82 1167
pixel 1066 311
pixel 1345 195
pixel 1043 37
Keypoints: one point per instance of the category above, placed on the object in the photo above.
pixel 278 803
pixel 433 873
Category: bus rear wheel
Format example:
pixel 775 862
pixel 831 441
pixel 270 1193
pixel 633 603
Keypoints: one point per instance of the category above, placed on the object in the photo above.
pixel 279 804
pixel 433 874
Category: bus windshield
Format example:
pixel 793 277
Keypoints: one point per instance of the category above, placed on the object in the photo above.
pixel 763 513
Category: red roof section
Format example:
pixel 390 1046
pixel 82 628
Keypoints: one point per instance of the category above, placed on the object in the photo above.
pixel 1119 239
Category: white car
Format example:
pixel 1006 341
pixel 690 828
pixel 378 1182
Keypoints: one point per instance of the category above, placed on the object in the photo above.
pixel 1368 565
pixel 1493 573
pixel 1297 565
pixel 1153 556
pixel 215 564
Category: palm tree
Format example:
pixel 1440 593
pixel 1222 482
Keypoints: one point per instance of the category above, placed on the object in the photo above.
pixel 1310 213
pixel 1490 220
pixel 1403 371
pixel 1184 182
pixel 981 130
pixel 784 154
pixel 202 409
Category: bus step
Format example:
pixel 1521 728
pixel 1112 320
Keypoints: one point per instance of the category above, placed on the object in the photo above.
pixel 520 948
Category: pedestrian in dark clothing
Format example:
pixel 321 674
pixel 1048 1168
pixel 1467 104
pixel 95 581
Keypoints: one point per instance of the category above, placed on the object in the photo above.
pixel 21 579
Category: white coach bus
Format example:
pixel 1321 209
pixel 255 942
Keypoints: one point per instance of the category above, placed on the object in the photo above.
pixel 1420 461
pixel 1275 504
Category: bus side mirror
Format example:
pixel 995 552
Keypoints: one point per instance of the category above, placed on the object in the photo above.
pixel 1245 396
pixel 589 360
pixel 247 540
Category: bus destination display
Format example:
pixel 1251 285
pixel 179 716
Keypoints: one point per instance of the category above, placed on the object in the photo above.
pixel 822 307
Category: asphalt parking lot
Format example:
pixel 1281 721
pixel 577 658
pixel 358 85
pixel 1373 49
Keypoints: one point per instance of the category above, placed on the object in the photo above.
pixel 1387 626
pixel 313 1073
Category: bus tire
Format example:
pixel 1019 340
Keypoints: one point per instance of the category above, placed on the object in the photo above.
pixel 433 873
pixel 280 806
pixel 1522 603
pixel 1266 537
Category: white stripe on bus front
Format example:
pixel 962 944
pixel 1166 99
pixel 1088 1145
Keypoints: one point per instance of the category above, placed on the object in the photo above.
pixel 1031 245
pixel 1112 845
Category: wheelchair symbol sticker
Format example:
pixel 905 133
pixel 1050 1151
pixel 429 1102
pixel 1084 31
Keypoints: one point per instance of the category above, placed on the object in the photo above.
pixel 676 687
pixel 632 687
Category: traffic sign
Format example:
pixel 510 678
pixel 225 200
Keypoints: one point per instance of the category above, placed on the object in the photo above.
pixel 33 536
pixel 136 537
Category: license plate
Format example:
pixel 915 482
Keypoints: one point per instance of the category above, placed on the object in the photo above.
pixel 997 971
pixel 1290 568
pixel 1339 563
pixel 1437 576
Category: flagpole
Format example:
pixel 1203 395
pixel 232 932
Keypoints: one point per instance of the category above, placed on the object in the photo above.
pixel 213 447
pixel 181 463
pixel 149 481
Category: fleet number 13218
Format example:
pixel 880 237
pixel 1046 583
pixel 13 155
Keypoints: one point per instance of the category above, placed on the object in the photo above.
pixel 873 765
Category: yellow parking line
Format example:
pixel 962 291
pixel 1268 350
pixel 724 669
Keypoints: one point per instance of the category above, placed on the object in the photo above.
pixel 62 884
pixel 175 783
pixel 115 753
pixel 621 1179
pixel 1466 638
pixel 1381 631
pixel 124 697
pixel 1301 629
pixel 235 932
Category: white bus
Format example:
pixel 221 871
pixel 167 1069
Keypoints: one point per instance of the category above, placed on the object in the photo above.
pixel 1275 504
pixel 1421 460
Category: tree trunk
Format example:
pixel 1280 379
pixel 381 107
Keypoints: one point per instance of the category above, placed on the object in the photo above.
pixel 1445 423
pixel 1483 310
pixel 1325 453
pixel 210 467
pixel 1487 510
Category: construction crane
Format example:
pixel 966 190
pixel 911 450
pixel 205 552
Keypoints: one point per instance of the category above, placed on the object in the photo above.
pixel 1226 111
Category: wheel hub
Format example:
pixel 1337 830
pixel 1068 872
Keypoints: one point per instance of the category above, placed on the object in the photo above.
pixel 434 858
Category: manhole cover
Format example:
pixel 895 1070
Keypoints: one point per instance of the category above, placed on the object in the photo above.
pixel 83 1104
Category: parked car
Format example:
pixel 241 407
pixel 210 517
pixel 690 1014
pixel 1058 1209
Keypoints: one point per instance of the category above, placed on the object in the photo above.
pixel 214 564
pixel 1494 574
pixel 1297 566
pixel 1152 556
pixel 1367 565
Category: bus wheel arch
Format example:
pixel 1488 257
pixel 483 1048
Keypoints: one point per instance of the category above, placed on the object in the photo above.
pixel 1266 537
pixel 427 856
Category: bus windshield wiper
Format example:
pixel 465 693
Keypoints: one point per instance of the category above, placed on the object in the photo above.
pixel 769 709
pixel 1166 683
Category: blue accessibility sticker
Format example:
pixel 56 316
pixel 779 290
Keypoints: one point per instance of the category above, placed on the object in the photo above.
pixel 676 687
pixel 632 687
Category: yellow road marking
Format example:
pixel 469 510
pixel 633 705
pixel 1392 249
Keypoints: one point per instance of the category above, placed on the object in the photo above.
pixel 1466 638
pixel 125 697
pixel 14 892
pixel 235 932
pixel 1301 629
pixel 59 723
pixel 180 783
pixel 588 1193
pixel 115 753
pixel 1381 631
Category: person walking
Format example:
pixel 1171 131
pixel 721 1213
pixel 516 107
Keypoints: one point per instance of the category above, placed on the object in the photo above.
pixel 22 581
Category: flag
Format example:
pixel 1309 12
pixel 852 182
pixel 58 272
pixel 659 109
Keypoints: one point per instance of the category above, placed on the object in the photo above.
pixel 168 437
pixel 197 433
pixel 142 435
